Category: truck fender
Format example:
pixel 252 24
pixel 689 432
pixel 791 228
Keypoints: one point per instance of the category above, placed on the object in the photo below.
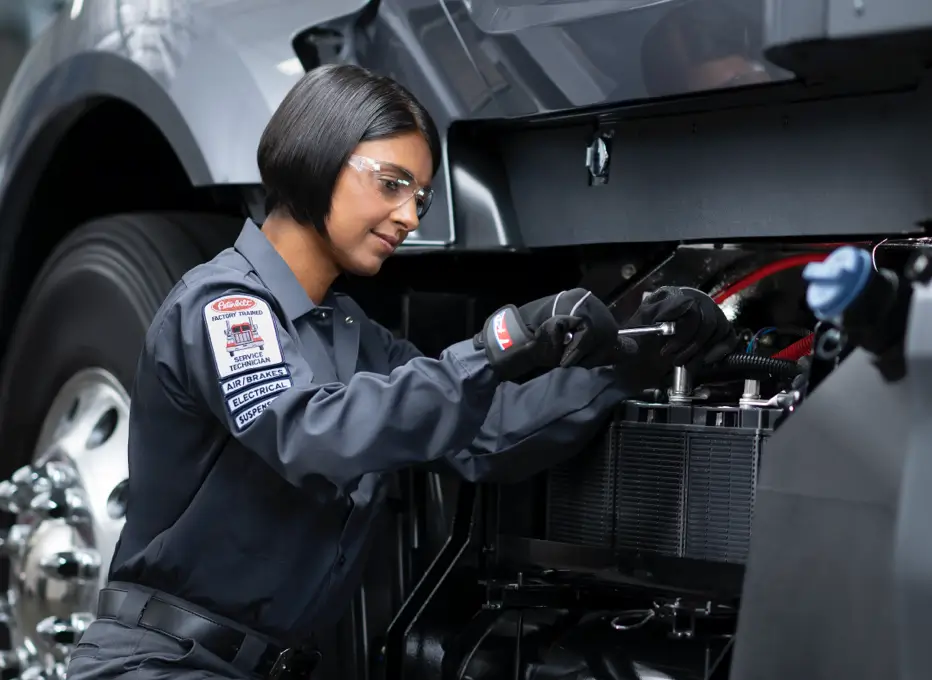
pixel 186 71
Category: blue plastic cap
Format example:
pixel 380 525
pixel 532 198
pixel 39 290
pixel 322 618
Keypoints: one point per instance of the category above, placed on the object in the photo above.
pixel 837 281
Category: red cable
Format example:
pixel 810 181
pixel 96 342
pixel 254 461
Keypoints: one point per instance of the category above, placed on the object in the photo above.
pixel 797 350
pixel 768 270
pixel 800 348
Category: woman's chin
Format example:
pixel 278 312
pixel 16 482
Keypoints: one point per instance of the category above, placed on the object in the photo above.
pixel 368 266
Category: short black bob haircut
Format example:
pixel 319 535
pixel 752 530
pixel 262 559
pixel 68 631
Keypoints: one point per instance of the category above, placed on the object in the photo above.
pixel 317 127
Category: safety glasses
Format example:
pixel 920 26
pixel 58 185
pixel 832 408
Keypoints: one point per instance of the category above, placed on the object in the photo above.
pixel 395 184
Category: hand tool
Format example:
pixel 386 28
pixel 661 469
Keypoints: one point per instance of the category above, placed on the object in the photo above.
pixel 662 328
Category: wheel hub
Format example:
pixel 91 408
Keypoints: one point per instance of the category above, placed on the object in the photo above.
pixel 69 504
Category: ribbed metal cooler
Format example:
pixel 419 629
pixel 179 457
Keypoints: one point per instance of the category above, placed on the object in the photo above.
pixel 668 480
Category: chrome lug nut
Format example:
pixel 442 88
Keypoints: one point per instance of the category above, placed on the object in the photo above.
pixel 16 539
pixel 35 672
pixel 77 565
pixel 63 632
pixel 9 662
pixel 78 507
pixel 10 497
pixel 20 660
pixel 61 636
pixel 60 475
pixel 17 491
pixel 6 614
pixel 31 480
pixel 43 504
pixel 24 476
pixel 69 504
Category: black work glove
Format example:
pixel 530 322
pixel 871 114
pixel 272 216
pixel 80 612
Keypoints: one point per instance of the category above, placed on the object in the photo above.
pixel 703 335
pixel 572 328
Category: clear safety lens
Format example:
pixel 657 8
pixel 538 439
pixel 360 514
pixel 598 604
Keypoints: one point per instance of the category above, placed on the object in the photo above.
pixel 395 184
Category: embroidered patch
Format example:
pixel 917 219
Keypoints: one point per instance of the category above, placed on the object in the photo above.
pixel 239 382
pixel 253 394
pixel 243 418
pixel 242 334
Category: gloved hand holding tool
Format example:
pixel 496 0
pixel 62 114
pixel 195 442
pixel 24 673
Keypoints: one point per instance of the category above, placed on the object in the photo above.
pixel 701 335
pixel 572 328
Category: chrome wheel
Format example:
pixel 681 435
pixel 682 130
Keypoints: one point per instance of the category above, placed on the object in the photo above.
pixel 69 505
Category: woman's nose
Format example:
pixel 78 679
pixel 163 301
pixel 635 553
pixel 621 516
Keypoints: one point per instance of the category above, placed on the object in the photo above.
pixel 405 215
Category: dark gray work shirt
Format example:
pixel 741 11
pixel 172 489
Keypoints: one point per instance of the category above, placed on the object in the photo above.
pixel 264 429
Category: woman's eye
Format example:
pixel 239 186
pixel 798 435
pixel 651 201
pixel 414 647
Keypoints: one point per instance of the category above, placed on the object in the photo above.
pixel 391 185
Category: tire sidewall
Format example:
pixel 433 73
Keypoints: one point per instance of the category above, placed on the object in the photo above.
pixel 90 306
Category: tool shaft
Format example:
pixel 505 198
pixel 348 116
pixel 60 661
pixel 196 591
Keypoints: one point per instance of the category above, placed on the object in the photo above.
pixel 663 328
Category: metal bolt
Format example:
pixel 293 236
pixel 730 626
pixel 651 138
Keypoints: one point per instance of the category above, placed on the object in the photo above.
pixel 681 390
pixel 830 344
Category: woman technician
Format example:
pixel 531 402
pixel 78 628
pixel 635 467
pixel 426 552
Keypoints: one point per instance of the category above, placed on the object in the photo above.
pixel 268 411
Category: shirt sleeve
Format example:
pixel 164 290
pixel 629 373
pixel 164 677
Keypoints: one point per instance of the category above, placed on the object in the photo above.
pixel 399 351
pixel 532 426
pixel 227 349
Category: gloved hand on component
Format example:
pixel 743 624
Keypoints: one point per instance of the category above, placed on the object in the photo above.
pixel 571 328
pixel 702 335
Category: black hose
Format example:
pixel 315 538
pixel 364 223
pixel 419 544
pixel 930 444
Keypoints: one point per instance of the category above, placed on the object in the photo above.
pixel 754 365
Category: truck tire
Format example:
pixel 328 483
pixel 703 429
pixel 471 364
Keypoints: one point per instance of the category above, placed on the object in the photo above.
pixel 64 403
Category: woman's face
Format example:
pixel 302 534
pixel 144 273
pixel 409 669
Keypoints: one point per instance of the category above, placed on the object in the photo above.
pixel 376 201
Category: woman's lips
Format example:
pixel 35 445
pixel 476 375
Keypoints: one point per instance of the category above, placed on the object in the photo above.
pixel 389 242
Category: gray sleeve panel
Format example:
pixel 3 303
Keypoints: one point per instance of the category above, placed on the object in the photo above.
pixel 539 424
pixel 533 426
pixel 374 423
pixel 399 351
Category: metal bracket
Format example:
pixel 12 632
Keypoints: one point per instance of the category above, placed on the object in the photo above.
pixel 599 156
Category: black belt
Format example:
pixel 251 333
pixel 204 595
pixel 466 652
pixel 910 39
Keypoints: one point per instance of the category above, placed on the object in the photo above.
pixel 225 642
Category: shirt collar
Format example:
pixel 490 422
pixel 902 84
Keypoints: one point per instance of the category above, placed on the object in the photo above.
pixel 274 272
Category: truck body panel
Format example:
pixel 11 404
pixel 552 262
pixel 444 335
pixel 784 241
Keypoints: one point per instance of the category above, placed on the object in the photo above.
pixel 615 145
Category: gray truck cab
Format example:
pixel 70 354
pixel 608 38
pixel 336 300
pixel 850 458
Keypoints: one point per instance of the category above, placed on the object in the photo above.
pixel 614 144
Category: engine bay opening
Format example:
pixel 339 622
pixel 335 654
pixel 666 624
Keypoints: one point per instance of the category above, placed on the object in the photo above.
pixel 630 560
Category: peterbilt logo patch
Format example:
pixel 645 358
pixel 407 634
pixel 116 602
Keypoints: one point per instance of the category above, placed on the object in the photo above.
pixel 232 304
pixel 242 334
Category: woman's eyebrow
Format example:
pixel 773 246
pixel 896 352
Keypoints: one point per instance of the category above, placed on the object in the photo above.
pixel 402 168
pixel 398 166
